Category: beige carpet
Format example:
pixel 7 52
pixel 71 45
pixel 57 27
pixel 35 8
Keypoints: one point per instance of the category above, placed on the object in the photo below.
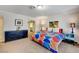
pixel 28 46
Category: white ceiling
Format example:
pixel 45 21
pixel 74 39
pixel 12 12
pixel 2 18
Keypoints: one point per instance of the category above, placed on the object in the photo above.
pixel 49 11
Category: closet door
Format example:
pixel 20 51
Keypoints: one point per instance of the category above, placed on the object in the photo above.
pixel 1 30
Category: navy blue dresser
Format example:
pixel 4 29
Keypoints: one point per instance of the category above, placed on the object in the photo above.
pixel 15 35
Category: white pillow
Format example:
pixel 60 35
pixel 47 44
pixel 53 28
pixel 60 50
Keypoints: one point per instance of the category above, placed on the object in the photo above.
pixel 50 29
pixel 55 29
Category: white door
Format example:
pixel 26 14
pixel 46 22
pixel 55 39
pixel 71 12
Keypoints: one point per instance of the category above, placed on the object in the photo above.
pixel 1 30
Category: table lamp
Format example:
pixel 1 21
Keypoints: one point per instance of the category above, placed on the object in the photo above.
pixel 72 25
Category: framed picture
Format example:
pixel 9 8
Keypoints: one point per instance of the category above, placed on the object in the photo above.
pixel 53 24
pixel 18 22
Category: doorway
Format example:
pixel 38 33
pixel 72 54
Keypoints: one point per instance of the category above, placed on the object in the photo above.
pixel 31 28
pixel 1 29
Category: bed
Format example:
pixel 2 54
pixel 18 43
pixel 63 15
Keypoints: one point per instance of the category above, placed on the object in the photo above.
pixel 49 40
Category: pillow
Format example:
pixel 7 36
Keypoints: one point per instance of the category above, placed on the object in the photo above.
pixel 55 29
pixel 50 29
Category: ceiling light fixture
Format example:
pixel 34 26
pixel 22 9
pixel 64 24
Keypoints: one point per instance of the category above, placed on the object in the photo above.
pixel 39 7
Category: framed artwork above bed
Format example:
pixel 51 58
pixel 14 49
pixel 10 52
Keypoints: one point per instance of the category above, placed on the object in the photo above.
pixel 53 24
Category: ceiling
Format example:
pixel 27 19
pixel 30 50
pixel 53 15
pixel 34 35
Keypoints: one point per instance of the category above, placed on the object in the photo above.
pixel 49 11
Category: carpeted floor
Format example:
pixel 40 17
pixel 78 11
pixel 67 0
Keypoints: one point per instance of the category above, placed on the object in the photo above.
pixel 28 46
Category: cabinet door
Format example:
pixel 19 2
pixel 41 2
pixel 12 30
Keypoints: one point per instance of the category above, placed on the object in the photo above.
pixel 1 29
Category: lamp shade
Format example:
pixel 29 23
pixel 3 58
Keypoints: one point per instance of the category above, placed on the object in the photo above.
pixel 72 25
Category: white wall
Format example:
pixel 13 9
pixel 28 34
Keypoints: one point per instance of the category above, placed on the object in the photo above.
pixel 39 20
pixel 9 21
pixel 64 22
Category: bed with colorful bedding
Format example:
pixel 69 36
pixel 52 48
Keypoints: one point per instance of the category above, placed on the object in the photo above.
pixel 49 40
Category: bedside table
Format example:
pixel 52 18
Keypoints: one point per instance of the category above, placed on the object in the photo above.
pixel 69 38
